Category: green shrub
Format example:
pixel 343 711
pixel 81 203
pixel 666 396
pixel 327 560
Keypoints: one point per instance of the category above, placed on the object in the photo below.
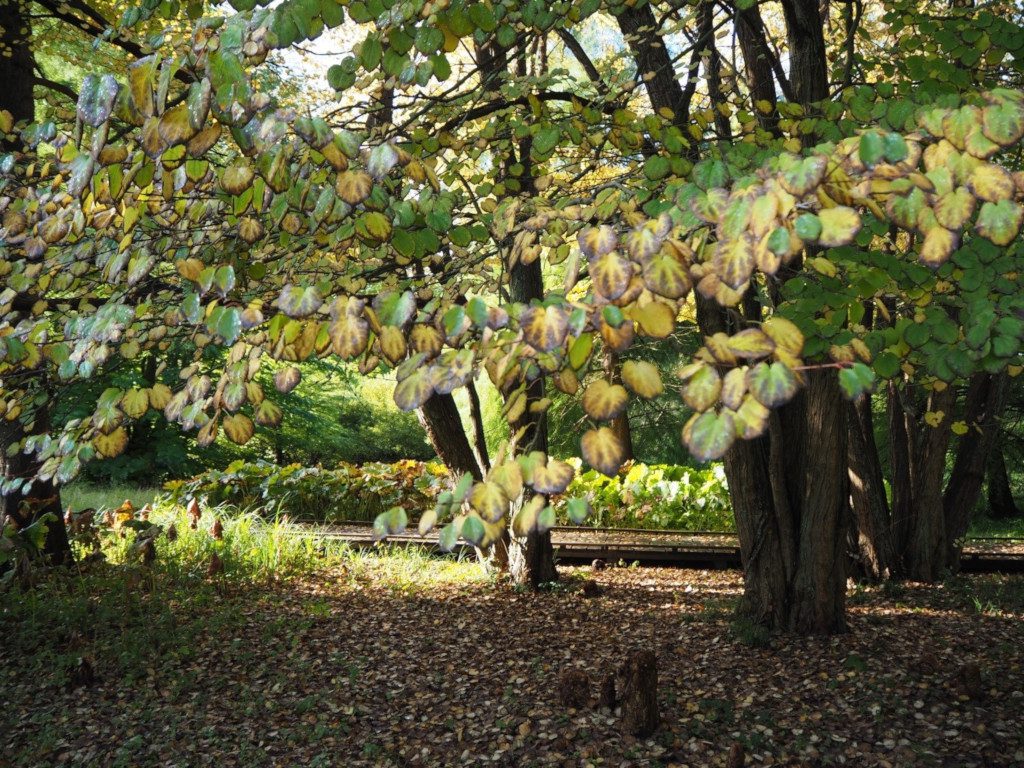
pixel 312 494
pixel 659 496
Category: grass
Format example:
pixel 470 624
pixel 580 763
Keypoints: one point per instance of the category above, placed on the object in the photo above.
pixel 82 495
pixel 137 616
pixel 1011 528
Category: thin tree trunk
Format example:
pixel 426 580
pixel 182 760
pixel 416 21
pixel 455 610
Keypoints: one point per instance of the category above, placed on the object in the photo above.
pixel 986 397
pixel 925 553
pixel 1001 504
pixel 443 424
pixel 819 586
pixel 901 444
pixel 871 523
pixel 808 65
pixel 531 560
pixel 758 59
pixel 479 438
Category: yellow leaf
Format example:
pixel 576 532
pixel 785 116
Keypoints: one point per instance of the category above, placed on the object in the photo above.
pixel 656 320
pixel 934 418
pixel 603 401
pixel 602 449
pixel 643 378
pixel 112 444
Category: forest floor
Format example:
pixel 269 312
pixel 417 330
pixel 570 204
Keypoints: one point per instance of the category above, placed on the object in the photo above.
pixel 352 666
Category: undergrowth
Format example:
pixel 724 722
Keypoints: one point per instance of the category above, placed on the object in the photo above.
pixel 113 612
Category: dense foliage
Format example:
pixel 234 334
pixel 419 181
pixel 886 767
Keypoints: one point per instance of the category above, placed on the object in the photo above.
pixel 658 496
pixel 838 214
pixel 312 494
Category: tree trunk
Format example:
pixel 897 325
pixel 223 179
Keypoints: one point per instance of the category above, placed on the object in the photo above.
pixel 17 61
pixel 758 59
pixel 901 429
pixel 1001 504
pixel 531 560
pixel 443 424
pixel 789 494
pixel 25 507
pixel 986 397
pixel 871 523
pixel 479 438
pixel 925 553
pixel 808 73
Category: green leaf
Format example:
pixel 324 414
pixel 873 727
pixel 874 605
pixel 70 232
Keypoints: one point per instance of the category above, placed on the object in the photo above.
pixel 807 227
pixel 709 435
pixel 771 383
pixel 578 510
pixel 299 301
pixel 390 523
pixel 383 158
pixel 856 381
pixel 1000 222
pixel 96 99
pixel 472 530
pixel 448 538
pixel 546 139
pixel 871 148
pixel 394 308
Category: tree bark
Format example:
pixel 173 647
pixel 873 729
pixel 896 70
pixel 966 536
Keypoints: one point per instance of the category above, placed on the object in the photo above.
pixel 479 438
pixel 986 398
pixel 531 560
pixel 1001 504
pixel 758 58
pixel 808 65
pixel 443 424
pixel 789 491
pixel 640 716
pixel 925 553
pixel 871 526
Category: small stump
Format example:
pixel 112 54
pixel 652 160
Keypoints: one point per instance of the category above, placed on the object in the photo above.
pixel 591 588
pixel 574 689
pixel 969 682
pixel 640 693
pixel 607 696
pixel 737 756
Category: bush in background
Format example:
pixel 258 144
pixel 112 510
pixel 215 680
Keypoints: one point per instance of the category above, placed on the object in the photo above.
pixel 658 496
pixel 312 494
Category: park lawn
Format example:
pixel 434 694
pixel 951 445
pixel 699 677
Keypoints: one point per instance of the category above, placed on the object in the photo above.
pixel 315 655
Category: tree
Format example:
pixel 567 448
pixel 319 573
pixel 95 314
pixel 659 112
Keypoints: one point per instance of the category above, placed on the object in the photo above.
pixel 207 212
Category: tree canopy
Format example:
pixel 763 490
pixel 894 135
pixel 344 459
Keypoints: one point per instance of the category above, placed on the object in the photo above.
pixel 858 214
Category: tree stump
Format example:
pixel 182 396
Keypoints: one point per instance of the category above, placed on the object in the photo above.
pixel 640 693
pixel 591 588
pixel 574 689
pixel 969 682
pixel 737 756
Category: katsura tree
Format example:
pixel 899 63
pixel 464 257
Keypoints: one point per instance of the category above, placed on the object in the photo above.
pixel 186 202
